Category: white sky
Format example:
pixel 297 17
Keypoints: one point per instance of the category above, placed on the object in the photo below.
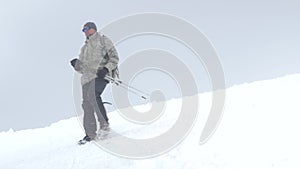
pixel 255 40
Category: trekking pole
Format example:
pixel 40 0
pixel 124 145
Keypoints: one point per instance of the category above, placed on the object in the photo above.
pixel 134 92
pixel 128 87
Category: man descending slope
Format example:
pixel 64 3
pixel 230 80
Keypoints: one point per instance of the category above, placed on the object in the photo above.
pixel 97 59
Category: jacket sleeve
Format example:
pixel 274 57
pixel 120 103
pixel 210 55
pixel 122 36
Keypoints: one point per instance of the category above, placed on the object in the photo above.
pixel 113 58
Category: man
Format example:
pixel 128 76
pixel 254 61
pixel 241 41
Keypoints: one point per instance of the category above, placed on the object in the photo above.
pixel 98 59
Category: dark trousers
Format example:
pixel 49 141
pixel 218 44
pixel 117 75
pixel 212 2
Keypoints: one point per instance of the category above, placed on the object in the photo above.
pixel 91 103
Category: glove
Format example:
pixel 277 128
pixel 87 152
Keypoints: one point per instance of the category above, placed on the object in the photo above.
pixel 76 63
pixel 102 72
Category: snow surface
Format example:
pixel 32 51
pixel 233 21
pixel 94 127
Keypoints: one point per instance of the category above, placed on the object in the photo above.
pixel 259 129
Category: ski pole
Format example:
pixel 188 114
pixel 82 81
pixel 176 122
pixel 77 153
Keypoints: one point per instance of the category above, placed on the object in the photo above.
pixel 128 87
pixel 134 92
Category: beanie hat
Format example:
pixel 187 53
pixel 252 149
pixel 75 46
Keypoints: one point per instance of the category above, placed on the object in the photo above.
pixel 91 25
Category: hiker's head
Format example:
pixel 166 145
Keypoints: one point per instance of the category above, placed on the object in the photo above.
pixel 89 28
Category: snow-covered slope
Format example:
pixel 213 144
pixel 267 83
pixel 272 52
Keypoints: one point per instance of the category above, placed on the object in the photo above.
pixel 259 129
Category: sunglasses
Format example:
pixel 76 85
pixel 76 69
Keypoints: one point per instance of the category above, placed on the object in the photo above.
pixel 86 29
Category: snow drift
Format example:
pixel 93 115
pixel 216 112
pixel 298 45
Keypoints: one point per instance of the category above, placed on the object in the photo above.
pixel 259 129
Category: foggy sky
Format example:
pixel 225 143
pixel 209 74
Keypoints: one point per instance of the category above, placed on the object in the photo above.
pixel 255 40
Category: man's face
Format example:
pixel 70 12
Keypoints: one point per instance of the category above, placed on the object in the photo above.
pixel 88 31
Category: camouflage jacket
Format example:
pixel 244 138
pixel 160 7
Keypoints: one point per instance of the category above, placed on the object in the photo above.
pixel 97 52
